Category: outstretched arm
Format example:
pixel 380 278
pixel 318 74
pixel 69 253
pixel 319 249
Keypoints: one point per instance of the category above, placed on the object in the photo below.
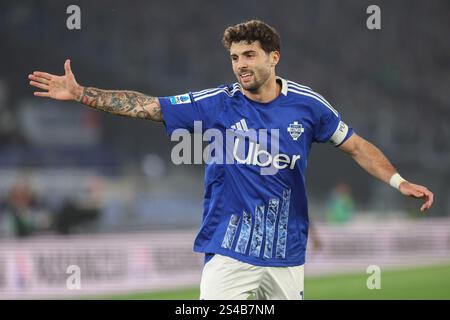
pixel 123 103
pixel 371 159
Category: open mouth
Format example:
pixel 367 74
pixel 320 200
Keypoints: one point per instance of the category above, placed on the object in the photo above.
pixel 246 76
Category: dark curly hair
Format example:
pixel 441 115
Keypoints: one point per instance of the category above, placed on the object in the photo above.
pixel 251 31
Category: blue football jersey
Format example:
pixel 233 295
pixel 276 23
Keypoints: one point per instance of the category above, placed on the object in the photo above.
pixel 255 206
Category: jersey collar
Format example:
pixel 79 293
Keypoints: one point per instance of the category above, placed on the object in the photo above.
pixel 284 87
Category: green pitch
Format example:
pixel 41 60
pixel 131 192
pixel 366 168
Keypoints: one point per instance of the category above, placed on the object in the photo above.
pixel 412 283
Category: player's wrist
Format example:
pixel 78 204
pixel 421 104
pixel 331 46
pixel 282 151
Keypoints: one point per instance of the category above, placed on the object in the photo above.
pixel 396 180
pixel 78 93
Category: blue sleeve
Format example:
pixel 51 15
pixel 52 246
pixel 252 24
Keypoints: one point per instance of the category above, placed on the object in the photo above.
pixel 181 111
pixel 329 126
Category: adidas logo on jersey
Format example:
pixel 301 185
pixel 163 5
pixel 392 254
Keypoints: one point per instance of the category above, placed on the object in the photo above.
pixel 241 125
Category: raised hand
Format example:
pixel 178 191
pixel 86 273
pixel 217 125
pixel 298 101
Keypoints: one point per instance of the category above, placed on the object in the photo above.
pixel 120 102
pixel 57 87
pixel 417 191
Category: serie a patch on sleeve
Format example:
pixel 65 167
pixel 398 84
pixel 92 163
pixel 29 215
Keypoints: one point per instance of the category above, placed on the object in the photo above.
pixel 180 99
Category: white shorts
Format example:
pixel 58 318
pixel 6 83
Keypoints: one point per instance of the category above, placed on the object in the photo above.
pixel 225 278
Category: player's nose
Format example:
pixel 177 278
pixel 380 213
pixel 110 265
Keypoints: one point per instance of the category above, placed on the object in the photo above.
pixel 242 65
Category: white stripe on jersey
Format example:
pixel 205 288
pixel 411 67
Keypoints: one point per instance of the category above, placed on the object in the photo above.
pixel 314 97
pixel 294 85
pixel 298 85
pixel 206 91
pixel 235 89
pixel 304 88
pixel 244 125
pixel 209 94
pixel 222 90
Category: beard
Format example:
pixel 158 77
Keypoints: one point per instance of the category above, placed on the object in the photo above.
pixel 259 78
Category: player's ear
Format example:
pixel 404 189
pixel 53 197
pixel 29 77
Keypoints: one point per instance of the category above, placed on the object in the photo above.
pixel 274 58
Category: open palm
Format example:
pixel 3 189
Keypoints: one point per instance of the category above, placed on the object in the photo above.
pixel 56 87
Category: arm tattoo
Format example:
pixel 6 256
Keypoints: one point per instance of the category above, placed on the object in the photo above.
pixel 123 103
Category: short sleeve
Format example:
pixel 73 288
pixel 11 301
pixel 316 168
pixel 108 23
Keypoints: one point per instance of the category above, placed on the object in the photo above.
pixel 329 127
pixel 182 111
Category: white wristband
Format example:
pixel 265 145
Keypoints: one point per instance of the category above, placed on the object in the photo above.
pixel 396 180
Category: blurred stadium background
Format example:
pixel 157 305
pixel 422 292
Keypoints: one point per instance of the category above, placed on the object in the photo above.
pixel 80 187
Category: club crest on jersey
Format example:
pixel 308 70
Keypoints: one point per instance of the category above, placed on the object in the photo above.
pixel 295 129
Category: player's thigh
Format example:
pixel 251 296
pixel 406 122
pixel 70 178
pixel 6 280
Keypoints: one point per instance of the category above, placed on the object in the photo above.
pixel 282 283
pixel 224 278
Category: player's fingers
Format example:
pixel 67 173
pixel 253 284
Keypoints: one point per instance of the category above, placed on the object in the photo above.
pixel 425 207
pixel 44 75
pixel 39 85
pixel 42 94
pixel 38 79
pixel 430 198
pixel 67 67
pixel 422 189
pixel 429 201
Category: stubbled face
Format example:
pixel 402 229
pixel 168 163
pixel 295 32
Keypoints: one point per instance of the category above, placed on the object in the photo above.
pixel 252 65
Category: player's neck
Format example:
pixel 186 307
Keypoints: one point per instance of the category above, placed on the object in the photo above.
pixel 267 93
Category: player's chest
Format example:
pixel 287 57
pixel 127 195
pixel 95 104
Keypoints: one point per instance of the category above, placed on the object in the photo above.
pixel 291 129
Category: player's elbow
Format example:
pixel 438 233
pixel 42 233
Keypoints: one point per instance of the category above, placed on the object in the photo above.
pixel 353 146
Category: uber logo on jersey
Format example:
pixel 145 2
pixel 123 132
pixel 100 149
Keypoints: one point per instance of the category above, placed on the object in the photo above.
pixel 295 129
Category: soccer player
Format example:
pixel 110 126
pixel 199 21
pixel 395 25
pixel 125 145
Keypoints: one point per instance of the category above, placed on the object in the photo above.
pixel 255 226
